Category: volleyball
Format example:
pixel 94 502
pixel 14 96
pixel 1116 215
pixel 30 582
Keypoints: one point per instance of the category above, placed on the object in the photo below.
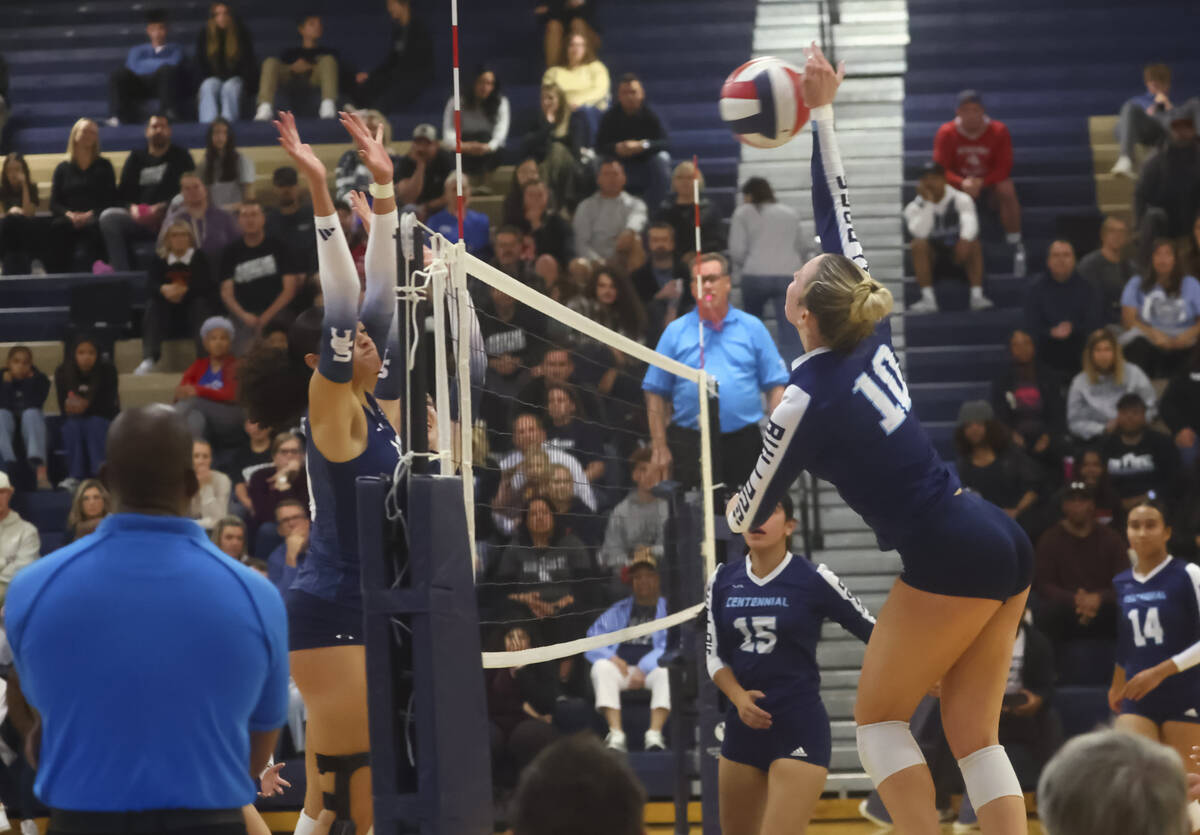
pixel 763 103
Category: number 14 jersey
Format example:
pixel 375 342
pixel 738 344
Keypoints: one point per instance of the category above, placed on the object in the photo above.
pixel 1160 619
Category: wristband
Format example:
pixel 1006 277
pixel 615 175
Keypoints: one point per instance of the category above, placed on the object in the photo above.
pixel 270 765
pixel 382 192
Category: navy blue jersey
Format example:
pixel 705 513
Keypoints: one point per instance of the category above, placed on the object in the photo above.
pixel 1160 619
pixel 765 630
pixel 331 569
pixel 846 418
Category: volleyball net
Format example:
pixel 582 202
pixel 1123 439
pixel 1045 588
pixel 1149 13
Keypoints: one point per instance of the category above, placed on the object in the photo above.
pixel 552 439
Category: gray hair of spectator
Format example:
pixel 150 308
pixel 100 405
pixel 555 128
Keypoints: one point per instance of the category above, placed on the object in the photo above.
pixel 382 119
pixel 577 785
pixel 1113 783
pixel 212 323
pixel 228 522
pixel 282 438
pixel 758 190
pixel 718 258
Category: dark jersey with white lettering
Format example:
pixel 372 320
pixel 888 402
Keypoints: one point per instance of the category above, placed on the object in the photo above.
pixel 766 629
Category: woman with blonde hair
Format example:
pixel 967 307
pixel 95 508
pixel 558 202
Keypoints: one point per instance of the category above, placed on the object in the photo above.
pixel 951 616
pixel 555 138
pixel 225 60
pixel 1106 378
pixel 583 78
pixel 180 294
pixel 91 503
pixel 83 186
pixel 351 173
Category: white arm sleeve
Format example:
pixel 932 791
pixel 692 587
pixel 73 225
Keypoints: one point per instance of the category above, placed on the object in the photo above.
pixel 500 129
pixel 1190 657
pixel 711 650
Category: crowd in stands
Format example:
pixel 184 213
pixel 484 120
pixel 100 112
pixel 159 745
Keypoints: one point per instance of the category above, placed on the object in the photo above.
pixel 575 435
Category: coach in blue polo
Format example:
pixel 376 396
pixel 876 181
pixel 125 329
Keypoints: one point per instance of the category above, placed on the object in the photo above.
pixel 740 354
pixel 157 665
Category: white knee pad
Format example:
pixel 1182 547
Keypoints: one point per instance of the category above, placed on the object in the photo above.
pixel 988 775
pixel 885 748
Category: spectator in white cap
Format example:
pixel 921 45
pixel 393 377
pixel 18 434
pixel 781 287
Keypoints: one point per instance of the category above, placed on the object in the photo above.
pixel 19 542
pixel 421 174
pixel 207 394
pixel 633 664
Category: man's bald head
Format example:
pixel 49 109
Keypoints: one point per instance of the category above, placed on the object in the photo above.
pixel 148 462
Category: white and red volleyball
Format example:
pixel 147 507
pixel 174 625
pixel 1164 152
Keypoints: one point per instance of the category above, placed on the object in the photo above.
pixel 762 101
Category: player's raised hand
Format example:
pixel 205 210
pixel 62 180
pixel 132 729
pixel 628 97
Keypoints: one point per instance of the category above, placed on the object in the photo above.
pixel 371 148
pixel 821 81
pixel 303 155
pixel 752 715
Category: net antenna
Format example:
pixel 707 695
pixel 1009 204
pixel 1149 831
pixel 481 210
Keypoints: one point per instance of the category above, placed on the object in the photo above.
pixel 448 266
pixel 706 473
pixel 458 167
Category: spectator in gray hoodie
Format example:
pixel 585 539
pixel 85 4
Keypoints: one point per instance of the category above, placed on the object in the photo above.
pixel 637 521
pixel 1105 379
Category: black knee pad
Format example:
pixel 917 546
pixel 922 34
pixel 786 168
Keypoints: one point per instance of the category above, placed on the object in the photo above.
pixel 338 801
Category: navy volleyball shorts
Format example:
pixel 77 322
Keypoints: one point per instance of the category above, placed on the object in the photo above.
pixel 799 731
pixel 967 547
pixel 315 622
pixel 1169 702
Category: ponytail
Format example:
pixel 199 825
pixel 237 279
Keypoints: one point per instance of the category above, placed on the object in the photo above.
pixel 847 302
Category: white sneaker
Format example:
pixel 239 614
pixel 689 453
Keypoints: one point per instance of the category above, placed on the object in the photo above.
pixel 653 741
pixel 328 109
pixel 922 306
pixel 264 112
pixel 616 741
pixel 1123 167
pixel 981 303
pixel 68 484
pixel 112 122
pixel 865 812
pixel 144 367
pixel 36 267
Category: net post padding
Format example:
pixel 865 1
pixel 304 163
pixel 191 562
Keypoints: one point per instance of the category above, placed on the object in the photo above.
pixel 441 374
pixel 708 544
pixel 462 315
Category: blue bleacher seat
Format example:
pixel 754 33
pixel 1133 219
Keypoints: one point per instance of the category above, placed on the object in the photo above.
pixel 52 541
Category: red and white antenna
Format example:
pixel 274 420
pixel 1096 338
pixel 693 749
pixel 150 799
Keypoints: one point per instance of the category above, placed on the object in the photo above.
pixel 696 261
pixel 458 178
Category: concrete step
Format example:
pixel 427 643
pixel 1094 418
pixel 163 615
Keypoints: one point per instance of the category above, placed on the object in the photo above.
pixel 844 757
pixel 860 562
pixel 177 356
pixel 839 704
pixel 845 654
pixel 839 679
pixel 837 519
pixel 146 389
pixel 850 539
pixel 848 781
pixel 843 730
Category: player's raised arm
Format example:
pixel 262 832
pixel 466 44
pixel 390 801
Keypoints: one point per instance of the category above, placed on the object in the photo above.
pixel 831 197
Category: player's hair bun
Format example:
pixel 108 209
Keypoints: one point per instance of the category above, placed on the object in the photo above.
pixel 847 302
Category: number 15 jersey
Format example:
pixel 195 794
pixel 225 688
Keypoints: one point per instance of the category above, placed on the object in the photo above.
pixel 1160 619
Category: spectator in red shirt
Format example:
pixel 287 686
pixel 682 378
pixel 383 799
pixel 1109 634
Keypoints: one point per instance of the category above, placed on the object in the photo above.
pixel 976 152
pixel 207 394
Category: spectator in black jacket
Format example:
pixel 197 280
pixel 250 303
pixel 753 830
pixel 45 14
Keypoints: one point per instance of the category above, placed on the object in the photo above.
pixel 149 180
pixel 22 233
pixel 1167 196
pixel 23 390
pixel 556 138
pixel 551 233
pixel 84 185
pixel 408 68
pixel 421 173
pixel 633 133
pixel 1027 398
pixel 291 221
pixel 521 703
pixel 679 211
pixel 1180 411
pixel 662 283
pixel 180 294
pixel 995 468
pixel 311 62
pixel 225 60
pixel 1141 460
pixel 1061 310
pixel 86 386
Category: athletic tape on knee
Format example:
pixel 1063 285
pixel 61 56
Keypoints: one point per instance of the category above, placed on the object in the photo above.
pixel 885 748
pixel 379 302
pixel 339 286
pixel 988 775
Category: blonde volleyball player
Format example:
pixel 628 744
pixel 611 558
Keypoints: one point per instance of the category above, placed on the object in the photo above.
pixel 845 417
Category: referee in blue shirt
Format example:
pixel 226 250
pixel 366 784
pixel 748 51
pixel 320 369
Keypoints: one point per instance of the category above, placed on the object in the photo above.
pixel 739 352
pixel 157 665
